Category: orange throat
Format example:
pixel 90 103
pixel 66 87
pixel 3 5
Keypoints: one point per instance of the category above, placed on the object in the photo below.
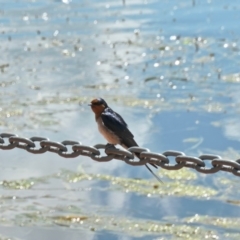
pixel 98 110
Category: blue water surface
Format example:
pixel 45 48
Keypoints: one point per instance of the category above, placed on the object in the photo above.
pixel 170 68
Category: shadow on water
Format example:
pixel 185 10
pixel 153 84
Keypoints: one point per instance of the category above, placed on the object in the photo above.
pixel 169 67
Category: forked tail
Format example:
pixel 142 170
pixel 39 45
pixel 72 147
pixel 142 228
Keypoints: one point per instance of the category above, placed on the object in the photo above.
pixel 150 170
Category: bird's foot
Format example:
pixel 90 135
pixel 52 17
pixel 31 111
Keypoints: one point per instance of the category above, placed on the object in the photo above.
pixel 109 145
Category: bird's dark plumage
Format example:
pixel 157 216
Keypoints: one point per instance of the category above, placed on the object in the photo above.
pixel 114 122
pixel 117 125
pixel 114 128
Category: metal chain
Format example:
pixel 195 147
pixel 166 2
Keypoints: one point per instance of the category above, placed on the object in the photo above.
pixel 72 149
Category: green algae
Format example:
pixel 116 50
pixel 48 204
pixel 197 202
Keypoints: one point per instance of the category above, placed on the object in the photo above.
pixel 180 183
pixel 19 184
pixel 130 226
pixel 135 227
pixel 211 221
pixel 94 218
pixel 22 183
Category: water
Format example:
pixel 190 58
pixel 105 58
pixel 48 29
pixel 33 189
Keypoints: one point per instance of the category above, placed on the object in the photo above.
pixel 169 67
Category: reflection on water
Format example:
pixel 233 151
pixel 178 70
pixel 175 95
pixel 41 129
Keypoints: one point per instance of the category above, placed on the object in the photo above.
pixel 169 67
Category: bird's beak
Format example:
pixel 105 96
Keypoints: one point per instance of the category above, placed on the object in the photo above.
pixel 89 104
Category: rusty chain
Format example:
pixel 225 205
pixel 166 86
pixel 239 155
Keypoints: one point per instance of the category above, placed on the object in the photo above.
pixel 161 160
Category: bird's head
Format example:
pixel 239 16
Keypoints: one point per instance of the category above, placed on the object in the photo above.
pixel 98 105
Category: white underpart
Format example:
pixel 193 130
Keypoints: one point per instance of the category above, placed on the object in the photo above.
pixel 107 134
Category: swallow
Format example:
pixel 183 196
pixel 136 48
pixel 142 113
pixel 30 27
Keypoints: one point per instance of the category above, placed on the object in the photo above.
pixel 113 127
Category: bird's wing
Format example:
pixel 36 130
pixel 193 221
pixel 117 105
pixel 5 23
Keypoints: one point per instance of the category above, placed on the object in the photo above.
pixel 114 122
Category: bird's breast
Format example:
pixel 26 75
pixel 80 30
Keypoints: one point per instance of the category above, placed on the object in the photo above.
pixel 110 136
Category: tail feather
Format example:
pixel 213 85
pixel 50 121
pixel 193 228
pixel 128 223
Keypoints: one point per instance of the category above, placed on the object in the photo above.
pixel 153 173
pixel 150 170
pixel 138 155
pixel 130 142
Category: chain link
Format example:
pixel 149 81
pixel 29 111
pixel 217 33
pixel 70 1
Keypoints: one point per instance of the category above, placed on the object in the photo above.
pixel 209 157
pixel 34 149
pixel 21 142
pixel 111 152
pixel 172 153
pixel 7 146
pixel 67 154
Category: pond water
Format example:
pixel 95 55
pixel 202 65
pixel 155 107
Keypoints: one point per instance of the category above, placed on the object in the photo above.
pixel 170 68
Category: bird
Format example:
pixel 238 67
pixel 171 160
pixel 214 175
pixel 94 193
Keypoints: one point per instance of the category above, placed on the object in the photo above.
pixel 113 127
